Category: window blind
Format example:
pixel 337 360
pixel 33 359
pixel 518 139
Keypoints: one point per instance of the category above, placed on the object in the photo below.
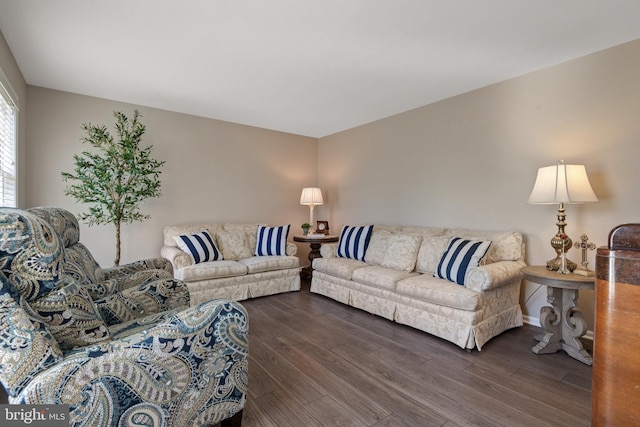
pixel 8 119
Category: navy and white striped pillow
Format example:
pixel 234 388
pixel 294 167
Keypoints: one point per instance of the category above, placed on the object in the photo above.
pixel 460 255
pixel 199 246
pixel 272 240
pixel 354 241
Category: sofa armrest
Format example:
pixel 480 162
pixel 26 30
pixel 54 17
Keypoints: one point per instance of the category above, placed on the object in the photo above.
pixel 493 275
pixel 176 257
pixel 292 249
pixel 329 250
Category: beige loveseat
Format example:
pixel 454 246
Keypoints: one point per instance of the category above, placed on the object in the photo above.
pixel 396 281
pixel 240 274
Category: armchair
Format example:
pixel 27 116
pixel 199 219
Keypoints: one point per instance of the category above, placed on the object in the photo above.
pixel 121 293
pixel 179 367
pixel 85 268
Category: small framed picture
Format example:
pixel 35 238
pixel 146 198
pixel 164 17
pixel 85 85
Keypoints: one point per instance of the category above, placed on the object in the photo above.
pixel 322 227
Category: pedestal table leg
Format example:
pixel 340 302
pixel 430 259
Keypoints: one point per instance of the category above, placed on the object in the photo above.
pixel 563 325
pixel 313 254
pixel 573 327
pixel 550 320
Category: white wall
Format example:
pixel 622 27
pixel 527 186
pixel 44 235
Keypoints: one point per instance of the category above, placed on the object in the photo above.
pixel 466 161
pixel 215 172
pixel 471 160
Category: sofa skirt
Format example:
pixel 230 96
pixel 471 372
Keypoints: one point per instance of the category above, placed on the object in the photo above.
pixel 465 328
pixel 239 288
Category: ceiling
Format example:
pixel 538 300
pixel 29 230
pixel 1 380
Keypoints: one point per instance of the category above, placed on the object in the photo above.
pixel 306 67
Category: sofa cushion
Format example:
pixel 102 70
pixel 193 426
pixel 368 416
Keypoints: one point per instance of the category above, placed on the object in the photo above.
pixel 378 245
pixel 354 241
pixel 236 244
pixel 211 270
pixel 505 246
pixel 339 267
pixel 380 277
pixel 259 264
pixel 71 316
pixel 440 292
pixel 272 240
pixel 460 255
pixel 200 247
pixel 393 250
pixel 402 251
pixel 430 252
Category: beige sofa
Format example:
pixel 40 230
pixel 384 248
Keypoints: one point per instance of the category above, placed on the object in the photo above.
pixel 240 274
pixel 396 281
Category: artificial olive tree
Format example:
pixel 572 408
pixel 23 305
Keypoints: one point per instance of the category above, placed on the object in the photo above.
pixel 117 177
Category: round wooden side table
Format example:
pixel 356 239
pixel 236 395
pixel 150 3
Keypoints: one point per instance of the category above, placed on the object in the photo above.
pixel 315 241
pixel 562 322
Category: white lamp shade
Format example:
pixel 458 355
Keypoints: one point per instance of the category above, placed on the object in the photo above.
pixel 562 184
pixel 311 196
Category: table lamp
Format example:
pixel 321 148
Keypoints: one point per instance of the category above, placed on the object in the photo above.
pixel 562 184
pixel 312 197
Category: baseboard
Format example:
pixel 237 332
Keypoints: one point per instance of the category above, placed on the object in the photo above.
pixel 535 321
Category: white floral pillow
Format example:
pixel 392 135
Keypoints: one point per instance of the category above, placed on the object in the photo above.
pixel 402 252
pixel 377 247
pixel 236 245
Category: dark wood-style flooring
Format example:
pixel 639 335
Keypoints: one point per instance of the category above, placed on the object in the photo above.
pixel 316 362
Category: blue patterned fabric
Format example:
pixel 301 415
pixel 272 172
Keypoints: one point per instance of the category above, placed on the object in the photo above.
pixel 199 246
pixel 71 315
pixel 459 256
pixel 354 241
pixel 26 345
pixel 31 254
pixel 180 367
pixel 123 271
pixel 82 266
pixel 130 303
pixel 106 284
pixel 272 240
pixel 189 369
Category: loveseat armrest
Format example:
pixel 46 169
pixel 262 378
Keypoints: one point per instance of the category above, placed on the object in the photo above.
pixel 329 250
pixel 176 257
pixel 292 249
pixel 493 275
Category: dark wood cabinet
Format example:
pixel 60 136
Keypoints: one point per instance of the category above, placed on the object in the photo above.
pixel 616 358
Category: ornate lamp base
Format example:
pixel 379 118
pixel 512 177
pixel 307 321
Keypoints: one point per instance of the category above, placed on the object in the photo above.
pixel 554 264
pixel 561 243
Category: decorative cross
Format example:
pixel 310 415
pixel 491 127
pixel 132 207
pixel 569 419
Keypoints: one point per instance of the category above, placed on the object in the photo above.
pixel 584 245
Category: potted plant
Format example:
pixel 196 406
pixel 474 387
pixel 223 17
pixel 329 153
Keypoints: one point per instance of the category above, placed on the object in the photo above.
pixel 117 178
pixel 305 228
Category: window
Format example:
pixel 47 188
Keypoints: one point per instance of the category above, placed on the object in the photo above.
pixel 8 120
